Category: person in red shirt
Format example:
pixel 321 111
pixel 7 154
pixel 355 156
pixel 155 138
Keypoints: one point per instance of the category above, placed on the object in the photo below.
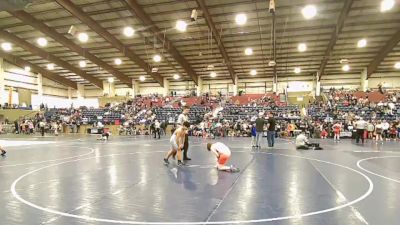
pixel 336 131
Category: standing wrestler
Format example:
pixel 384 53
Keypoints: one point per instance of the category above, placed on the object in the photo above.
pixel 177 143
pixel 184 117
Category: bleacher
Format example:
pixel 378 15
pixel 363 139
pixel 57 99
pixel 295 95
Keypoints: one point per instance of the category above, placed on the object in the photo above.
pixel 234 113
pixel 318 113
pixel 101 114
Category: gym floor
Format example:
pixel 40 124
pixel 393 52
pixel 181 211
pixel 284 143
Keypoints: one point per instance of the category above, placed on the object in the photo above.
pixel 78 180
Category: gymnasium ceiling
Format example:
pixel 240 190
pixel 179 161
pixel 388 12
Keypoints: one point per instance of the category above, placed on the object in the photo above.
pixel 189 53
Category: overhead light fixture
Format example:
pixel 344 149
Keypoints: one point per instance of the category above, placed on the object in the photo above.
pixel 42 41
pixel 72 30
pixel 176 76
pixel 397 65
pixel 302 47
pixel 241 19
pixel 50 66
pixel 142 78
pixel 346 68
pixel 193 15
pixel 82 63
pixel 248 51
pixel 110 80
pixel 83 37
pixel 27 68
pixel 309 11
pixel 129 31
pixel 272 63
pixel 297 70
pixel 154 70
pixel 210 67
pixel 362 43
pixel 387 5
pixel 213 74
pixel 344 61
pixel 117 61
pixel 157 58
pixel 6 46
pixel 253 72
pixel 181 25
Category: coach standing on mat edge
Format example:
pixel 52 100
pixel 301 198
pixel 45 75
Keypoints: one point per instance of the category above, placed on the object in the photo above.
pixel 271 130
pixel 183 117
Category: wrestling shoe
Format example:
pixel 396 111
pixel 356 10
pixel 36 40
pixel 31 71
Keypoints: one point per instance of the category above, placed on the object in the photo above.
pixel 166 162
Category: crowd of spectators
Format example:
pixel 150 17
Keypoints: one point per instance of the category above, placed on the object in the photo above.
pixel 213 116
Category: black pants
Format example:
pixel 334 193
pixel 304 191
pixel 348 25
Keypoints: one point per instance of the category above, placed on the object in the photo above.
pixel 303 147
pixel 360 134
pixel 42 131
pixel 186 146
pixel 157 131
pixel 308 146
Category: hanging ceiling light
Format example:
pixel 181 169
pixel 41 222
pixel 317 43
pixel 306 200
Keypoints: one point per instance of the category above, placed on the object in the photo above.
pixel 117 61
pixel 27 68
pixel 213 74
pixel 142 78
pixel 6 46
pixel 302 47
pixel 346 68
pixel 50 66
pixel 157 58
pixel 362 43
pixel 309 11
pixel 181 25
pixel 397 65
pixel 253 72
pixel 82 63
pixel 387 5
pixel 83 37
pixel 176 76
pixel 42 41
pixel 128 31
pixel 248 51
pixel 297 70
pixel 110 80
pixel 241 19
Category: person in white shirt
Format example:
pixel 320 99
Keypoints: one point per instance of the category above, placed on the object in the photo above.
pixel 385 129
pixel 378 132
pixel 223 154
pixel 302 141
pixel 157 127
pixel 183 117
pixel 55 127
pixel 177 141
pixel 360 125
pixel 3 152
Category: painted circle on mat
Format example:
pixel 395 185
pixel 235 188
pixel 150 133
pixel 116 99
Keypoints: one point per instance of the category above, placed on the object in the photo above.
pixel 376 174
pixel 88 218
pixel 53 160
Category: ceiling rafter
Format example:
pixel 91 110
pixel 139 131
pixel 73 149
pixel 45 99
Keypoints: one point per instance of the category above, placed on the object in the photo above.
pixel 45 73
pixel 45 55
pixel 335 35
pixel 217 39
pixel 137 10
pixel 42 27
pixel 382 53
pixel 78 13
